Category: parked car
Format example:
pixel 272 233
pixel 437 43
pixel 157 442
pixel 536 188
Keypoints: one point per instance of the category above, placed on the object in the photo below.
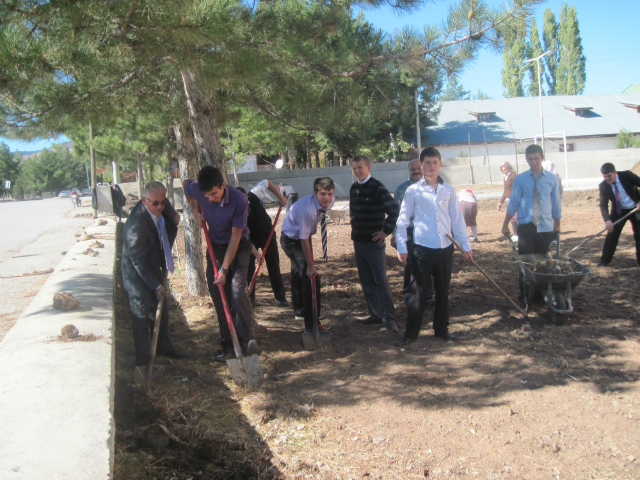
pixel 86 192
pixel 64 194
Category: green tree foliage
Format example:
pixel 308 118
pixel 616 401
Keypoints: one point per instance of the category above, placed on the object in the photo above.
pixel 535 48
pixel 9 167
pixel 52 170
pixel 551 44
pixel 571 73
pixel 482 96
pixel 625 139
pixel 514 54
pixel 455 91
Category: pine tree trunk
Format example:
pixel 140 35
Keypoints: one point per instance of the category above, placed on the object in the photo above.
pixel 341 157
pixel 394 147
pixel 308 143
pixel 235 169
pixel 336 160
pixel 204 123
pixel 169 178
pixel 140 176
pixel 193 254
pixel 317 155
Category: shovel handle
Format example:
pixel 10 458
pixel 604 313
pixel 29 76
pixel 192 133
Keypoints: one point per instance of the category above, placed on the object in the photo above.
pixel 227 312
pixel 156 329
pixel 488 277
pixel 264 251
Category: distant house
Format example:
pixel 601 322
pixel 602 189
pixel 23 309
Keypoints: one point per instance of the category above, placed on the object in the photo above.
pixel 633 88
pixel 589 122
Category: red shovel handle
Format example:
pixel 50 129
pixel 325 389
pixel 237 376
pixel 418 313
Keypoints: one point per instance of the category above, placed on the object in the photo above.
pixel 234 336
pixel 264 251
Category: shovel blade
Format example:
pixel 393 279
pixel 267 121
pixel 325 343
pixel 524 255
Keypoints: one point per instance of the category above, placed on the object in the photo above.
pixel 309 341
pixel 142 375
pixel 251 376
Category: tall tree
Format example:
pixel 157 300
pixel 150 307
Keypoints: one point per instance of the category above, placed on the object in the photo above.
pixel 454 91
pixel 514 54
pixel 536 50
pixel 571 74
pixel 551 44
pixel 9 167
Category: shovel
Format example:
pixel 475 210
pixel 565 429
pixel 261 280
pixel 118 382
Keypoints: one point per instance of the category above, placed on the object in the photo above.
pixel 245 371
pixel 264 251
pixel 151 373
pixel 599 233
pixel 313 341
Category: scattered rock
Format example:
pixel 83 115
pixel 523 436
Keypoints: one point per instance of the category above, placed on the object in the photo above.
pixel 88 251
pixel 63 253
pixel 85 237
pixel 97 244
pixel 510 412
pixel 65 301
pixel 102 222
pixel 378 440
pixel 69 332
pixel 154 436
pixel 556 448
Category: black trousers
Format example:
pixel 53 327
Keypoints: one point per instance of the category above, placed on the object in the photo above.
pixel 291 199
pixel 300 281
pixel 142 327
pixel 235 290
pixel 272 259
pixel 427 262
pixel 531 241
pixel 408 277
pixel 611 240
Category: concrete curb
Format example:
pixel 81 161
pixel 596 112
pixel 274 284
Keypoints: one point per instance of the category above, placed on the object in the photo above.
pixel 56 397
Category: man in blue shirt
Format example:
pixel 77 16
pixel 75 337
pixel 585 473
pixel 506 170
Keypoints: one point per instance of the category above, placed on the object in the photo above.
pixel 225 210
pixel 535 196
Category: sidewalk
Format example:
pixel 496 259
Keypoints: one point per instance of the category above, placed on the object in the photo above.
pixel 56 397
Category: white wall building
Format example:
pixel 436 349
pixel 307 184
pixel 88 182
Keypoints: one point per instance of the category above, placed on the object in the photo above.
pixel 589 122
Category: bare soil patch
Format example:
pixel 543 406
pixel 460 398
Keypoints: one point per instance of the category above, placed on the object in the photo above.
pixel 508 399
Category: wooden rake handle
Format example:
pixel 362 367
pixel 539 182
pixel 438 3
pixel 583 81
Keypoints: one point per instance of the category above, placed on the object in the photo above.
pixel 524 314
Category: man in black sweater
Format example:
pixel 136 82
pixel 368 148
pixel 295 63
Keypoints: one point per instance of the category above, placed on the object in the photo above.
pixel 621 189
pixel 369 203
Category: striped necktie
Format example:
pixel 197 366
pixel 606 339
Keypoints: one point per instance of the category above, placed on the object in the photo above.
pixel 537 215
pixel 618 204
pixel 323 232
pixel 168 254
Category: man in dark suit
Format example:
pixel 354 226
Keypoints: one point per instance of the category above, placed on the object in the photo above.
pixel 621 189
pixel 149 233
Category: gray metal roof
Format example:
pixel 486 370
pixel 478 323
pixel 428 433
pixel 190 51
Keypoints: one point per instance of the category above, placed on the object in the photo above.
pixel 607 116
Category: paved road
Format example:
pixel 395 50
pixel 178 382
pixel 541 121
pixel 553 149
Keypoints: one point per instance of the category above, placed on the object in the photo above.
pixel 34 234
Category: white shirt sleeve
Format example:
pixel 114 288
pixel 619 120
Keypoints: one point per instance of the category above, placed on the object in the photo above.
pixel 260 189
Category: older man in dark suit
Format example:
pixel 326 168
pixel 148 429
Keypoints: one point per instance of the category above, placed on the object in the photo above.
pixel 146 256
pixel 621 189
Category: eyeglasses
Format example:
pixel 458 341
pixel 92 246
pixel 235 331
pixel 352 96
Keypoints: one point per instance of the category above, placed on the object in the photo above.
pixel 155 204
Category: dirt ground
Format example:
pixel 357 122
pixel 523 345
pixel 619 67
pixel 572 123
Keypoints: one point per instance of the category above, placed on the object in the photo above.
pixel 508 399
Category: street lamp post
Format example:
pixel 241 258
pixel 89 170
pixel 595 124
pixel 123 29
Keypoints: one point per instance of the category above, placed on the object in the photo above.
pixel 537 60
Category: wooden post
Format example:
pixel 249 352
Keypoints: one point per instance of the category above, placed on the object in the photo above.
pixel 93 166
pixel 516 146
pixel 470 167
pixel 488 162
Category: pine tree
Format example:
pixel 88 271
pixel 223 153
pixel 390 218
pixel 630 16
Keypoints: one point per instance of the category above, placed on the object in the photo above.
pixel 551 44
pixel 455 91
pixel 571 72
pixel 536 50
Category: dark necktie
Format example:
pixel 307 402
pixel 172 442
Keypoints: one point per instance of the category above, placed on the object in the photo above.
pixel 618 204
pixel 537 215
pixel 323 232
pixel 168 254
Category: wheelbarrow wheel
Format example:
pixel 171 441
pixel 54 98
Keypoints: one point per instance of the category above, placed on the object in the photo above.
pixel 560 303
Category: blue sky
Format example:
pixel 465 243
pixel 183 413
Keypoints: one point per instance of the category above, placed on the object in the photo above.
pixel 608 39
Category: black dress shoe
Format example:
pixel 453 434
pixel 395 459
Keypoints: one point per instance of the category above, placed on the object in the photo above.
pixel 224 356
pixel 522 306
pixel 391 325
pixel 369 320
pixel 445 336
pixel 403 341
pixel 602 264
pixel 175 355
pixel 283 303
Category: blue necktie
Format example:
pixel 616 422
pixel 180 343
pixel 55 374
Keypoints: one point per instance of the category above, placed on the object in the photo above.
pixel 168 255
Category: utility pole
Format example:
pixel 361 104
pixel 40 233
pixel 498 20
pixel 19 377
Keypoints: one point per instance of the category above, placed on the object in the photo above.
pixel 537 60
pixel 93 167
pixel 418 121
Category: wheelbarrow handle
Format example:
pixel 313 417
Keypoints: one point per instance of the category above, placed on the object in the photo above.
pixel 227 312
pixel 264 251
pixel 488 277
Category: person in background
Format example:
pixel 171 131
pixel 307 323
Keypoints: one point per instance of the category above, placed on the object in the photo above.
pixel 300 224
pixel 434 207
pixel 290 194
pixel 509 176
pixel 118 200
pixel 260 225
pixel 469 205
pixel 621 189
pixel 536 197
pixel 373 213
pixel 225 210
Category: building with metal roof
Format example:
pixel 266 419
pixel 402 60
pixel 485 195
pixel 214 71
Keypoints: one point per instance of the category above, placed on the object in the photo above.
pixel 584 122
